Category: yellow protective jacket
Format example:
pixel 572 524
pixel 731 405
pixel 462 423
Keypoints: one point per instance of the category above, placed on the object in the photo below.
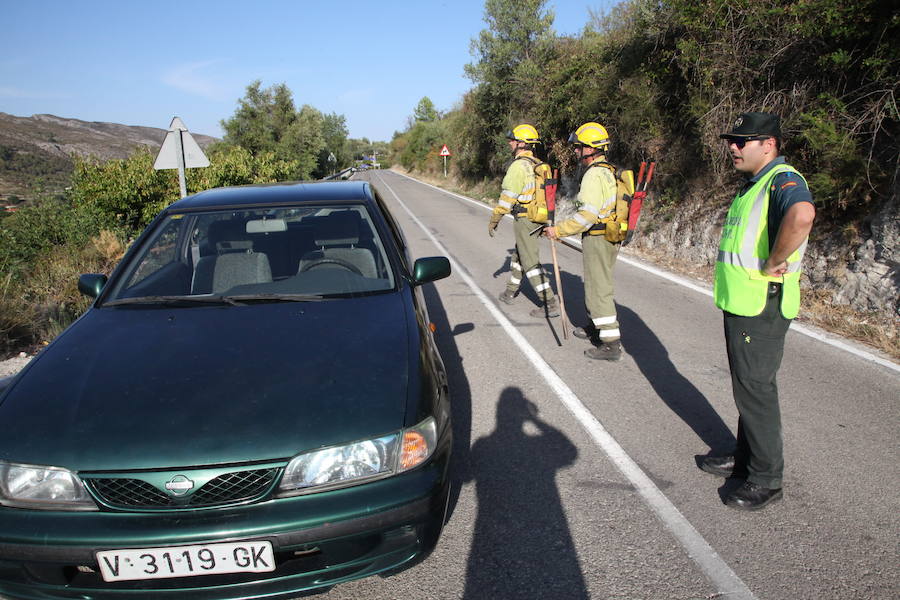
pixel 518 184
pixel 596 200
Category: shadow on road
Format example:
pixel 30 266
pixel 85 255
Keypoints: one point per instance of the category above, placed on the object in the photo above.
pixel 652 358
pixel 460 391
pixel 522 546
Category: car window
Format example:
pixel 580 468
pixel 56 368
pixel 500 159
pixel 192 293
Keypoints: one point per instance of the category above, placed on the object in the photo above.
pixel 326 251
pixel 160 254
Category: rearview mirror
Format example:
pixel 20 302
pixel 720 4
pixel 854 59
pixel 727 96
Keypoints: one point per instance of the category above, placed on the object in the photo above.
pixel 430 268
pixel 91 284
pixel 266 225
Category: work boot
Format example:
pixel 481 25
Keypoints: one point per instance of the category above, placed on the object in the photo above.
pixel 550 308
pixel 723 466
pixel 507 297
pixel 584 333
pixel 752 496
pixel 611 351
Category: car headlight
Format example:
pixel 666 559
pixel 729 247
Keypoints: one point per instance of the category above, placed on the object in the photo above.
pixel 354 463
pixel 47 488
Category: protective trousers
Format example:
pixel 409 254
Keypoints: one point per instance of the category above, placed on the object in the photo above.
pixel 599 257
pixel 755 348
pixel 525 259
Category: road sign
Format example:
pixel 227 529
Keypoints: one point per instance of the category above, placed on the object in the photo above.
pixel 168 153
pixel 445 151
pixel 180 151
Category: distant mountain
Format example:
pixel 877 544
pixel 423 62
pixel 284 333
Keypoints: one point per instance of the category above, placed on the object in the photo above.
pixel 35 151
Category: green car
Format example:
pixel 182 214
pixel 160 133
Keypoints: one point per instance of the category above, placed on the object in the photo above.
pixel 253 406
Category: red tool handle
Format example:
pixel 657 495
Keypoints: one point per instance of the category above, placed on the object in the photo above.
pixel 649 175
pixel 641 175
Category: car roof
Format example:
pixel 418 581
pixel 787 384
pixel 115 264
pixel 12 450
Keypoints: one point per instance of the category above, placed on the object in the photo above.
pixel 276 193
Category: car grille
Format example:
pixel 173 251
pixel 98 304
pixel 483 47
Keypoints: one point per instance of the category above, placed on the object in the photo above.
pixel 228 488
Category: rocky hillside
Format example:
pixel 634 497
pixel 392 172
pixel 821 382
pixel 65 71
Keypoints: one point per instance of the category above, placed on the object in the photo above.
pixel 36 152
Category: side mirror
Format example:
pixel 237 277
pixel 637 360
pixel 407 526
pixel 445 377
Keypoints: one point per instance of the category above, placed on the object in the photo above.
pixel 91 284
pixel 429 269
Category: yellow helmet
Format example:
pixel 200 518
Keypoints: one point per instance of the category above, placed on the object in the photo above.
pixel 524 133
pixel 590 134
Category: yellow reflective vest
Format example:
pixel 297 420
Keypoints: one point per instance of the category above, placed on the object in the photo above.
pixel 740 286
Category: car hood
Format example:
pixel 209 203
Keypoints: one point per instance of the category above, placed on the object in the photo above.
pixel 129 388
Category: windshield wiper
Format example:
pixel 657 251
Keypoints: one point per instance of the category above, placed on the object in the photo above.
pixel 174 300
pixel 277 298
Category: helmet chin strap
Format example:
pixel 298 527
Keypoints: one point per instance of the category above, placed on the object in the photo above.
pixel 595 152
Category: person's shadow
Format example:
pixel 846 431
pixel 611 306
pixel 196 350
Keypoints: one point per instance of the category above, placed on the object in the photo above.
pixel 522 546
pixel 652 358
pixel 673 388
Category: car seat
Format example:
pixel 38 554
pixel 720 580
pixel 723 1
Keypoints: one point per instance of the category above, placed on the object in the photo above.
pixel 337 237
pixel 235 262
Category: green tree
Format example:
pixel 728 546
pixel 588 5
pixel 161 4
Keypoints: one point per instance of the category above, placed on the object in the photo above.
pixel 334 133
pixel 512 55
pixel 266 120
pixel 128 192
pixel 262 118
pixel 425 111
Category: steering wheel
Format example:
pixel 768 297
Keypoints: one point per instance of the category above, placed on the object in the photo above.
pixel 331 261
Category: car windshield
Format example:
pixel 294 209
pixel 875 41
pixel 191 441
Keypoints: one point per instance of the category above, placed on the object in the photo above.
pixel 297 254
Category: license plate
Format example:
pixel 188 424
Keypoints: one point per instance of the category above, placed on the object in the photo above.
pixel 186 561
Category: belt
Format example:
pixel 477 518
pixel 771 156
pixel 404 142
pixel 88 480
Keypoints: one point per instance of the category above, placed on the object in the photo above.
pixel 774 289
pixel 517 210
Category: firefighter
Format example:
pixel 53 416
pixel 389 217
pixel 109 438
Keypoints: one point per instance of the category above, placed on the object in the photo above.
pixel 596 204
pixel 518 190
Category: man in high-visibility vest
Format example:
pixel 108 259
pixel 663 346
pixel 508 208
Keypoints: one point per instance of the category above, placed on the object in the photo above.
pixel 517 191
pixel 757 286
pixel 596 203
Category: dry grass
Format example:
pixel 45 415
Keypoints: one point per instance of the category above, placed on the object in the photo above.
pixel 39 306
pixel 877 330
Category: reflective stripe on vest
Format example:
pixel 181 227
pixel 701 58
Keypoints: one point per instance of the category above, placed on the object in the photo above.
pixel 740 287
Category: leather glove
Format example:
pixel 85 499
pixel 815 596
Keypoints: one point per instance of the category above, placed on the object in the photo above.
pixel 492 227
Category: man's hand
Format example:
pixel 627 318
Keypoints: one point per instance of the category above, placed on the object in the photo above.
pixel 550 232
pixel 775 270
pixel 492 227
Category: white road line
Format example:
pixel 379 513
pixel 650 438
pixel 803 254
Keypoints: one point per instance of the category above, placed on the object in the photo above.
pixel 802 329
pixel 716 570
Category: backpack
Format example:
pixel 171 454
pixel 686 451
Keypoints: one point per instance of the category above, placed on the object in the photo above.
pixel 536 210
pixel 616 229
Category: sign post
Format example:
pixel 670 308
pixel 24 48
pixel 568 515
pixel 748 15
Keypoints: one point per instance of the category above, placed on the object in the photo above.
pixel 445 152
pixel 180 151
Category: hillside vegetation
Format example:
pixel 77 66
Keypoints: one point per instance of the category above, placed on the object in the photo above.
pixel 37 152
pixel 666 77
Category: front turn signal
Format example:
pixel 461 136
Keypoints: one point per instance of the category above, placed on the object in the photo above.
pixel 418 444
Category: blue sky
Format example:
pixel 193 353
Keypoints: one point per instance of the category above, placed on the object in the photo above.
pixel 141 63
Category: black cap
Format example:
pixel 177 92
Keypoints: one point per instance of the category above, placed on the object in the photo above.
pixel 755 124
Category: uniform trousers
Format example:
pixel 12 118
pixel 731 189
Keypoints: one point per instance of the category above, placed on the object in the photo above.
pixel 755 348
pixel 525 259
pixel 599 256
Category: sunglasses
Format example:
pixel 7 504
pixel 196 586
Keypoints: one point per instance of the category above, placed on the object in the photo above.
pixel 741 142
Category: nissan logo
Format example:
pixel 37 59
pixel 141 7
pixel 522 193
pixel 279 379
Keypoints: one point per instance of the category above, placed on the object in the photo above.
pixel 179 485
